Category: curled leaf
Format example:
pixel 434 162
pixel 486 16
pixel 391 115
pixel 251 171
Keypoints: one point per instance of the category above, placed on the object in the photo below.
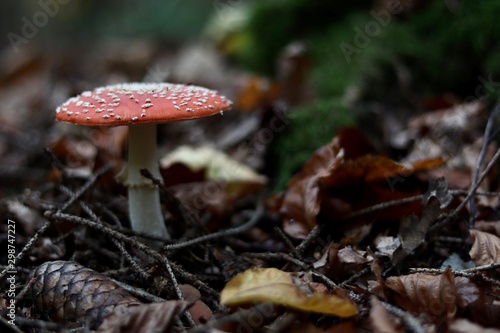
pixel 217 165
pixel 277 287
pixel 434 295
pixel 485 248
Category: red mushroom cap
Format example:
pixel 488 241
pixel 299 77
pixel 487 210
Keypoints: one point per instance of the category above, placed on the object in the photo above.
pixel 139 103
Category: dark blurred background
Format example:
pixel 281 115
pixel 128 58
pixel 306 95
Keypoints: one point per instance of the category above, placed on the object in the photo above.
pixel 69 21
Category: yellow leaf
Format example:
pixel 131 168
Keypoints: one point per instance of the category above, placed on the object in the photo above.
pixel 277 287
pixel 219 166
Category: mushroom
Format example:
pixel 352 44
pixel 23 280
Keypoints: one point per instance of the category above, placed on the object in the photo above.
pixel 141 106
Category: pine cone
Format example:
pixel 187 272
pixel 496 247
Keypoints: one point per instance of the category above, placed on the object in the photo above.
pixel 65 291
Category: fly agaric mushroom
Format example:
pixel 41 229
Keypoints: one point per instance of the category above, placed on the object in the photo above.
pixel 141 106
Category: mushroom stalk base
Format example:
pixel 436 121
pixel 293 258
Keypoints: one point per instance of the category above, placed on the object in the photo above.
pixel 143 196
pixel 145 213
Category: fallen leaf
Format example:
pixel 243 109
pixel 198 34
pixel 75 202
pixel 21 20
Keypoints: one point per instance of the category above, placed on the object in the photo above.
pixel 412 230
pixel 157 317
pixel 438 188
pixel 479 300
pixel 452 134
pixel 451 123
pixel 207 180
pixel 485 248
pixel 492 227
pixel 277 287
pixel 331 185
pixel 466 326
pixel 301 204
pixel 256 92
pixel 366 181
pixel 420 293
pixel 217 165
pixel 345 261
pixel 386 245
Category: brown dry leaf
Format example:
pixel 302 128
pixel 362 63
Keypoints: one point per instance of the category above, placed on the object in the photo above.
pixel 381 320
pixel 479 300
pixel 369 180
pixel 492 227
pixel 354 143
pixel 344 262
pixel 256 92
pixel 145 318
pixel 457 120
pixel 334 185
pixel 420 293
pixel 485 248
pixel 300 208
pixel 468 292
pixel 452 134
pixel 301 205
pixel 465 326
pixel 277 287
pixel 412 230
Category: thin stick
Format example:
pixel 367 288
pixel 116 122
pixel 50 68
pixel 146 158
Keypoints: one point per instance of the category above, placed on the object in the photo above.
pixel 220 234
pixel 457 210
pixel 472 273
pixel 28 246
pixel 309 238
pixel 382 206
pixel 355 276
pixel 138 292
pixel 288 242
pixel 88 184
pixel 278 256
pixel 142 273
pixel 44 227
pixel 486 141
pixel 411 323
pixel 58 216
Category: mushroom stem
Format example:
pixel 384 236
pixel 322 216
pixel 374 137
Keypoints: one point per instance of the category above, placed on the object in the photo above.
pixel 144 197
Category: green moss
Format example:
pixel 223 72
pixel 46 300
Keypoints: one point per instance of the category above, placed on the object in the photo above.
pixel 273 24
pixel 175 21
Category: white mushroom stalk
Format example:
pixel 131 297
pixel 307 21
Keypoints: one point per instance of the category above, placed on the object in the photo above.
pixel 143 196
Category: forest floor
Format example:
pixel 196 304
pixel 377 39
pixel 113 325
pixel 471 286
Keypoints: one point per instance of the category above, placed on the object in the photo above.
pixel 357 241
